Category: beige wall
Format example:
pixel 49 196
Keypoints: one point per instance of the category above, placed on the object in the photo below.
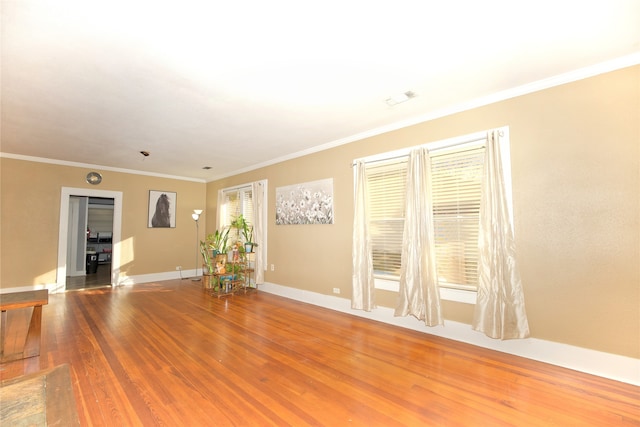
pixel 30 211
pixel 575 153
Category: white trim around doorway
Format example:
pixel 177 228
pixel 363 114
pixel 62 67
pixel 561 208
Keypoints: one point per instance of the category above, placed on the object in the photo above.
pixel 66 193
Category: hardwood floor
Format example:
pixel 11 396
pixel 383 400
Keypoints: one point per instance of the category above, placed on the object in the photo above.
pixel 102 277
pixel 168 354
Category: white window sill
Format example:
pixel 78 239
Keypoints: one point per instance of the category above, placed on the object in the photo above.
pixel 448 294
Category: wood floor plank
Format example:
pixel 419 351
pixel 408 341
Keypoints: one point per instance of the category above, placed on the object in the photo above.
pixel 167 353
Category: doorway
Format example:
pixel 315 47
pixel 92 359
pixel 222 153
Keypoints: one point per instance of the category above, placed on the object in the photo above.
pixel 89 244
pixel 67 212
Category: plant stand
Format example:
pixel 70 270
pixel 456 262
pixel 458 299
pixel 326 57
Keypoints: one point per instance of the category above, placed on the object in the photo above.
pixel 238 279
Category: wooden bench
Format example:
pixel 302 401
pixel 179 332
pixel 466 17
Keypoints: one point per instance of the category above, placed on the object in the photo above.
pixel 15 300
pixel 44 398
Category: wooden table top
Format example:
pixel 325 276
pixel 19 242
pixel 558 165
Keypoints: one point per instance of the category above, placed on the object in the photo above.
pixel 14 300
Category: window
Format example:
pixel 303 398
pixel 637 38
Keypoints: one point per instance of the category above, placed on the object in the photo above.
pixel 457 184
pixel 248 200
pixel 236 201
pixel 456 169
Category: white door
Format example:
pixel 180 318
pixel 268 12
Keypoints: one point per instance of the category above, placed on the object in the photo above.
pixel 76 237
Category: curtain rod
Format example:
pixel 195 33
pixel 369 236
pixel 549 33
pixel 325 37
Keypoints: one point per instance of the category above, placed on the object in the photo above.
pixel 433 150
pixel 386 159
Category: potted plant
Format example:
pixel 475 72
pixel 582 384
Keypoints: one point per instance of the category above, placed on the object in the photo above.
pixel 247 234
pixel 218 241
pixel 245 230
pixel 207 268
pixel 238 224
pixel 206 257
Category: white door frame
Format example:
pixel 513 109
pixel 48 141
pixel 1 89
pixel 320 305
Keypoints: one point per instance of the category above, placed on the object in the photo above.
pixel 65 196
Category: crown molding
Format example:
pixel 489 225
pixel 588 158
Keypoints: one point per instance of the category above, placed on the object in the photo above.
pixel 93 166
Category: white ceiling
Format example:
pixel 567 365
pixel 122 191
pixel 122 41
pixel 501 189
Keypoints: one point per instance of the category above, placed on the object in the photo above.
pixel 239 84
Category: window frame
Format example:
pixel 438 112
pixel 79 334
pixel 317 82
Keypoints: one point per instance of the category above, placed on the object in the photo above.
pixel 450 293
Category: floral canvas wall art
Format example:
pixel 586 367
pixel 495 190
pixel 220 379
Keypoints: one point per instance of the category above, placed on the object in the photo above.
pixel 306 203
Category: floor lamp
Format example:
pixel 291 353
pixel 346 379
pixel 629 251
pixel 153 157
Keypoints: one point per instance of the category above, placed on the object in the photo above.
pixel 196 216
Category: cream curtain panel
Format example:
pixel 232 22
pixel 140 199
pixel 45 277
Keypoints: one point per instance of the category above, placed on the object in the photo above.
pixel 220 211
pixel 259 225
pixel 362 296
pixel 499 310
pixel 419 291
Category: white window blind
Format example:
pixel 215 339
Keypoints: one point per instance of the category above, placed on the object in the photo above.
pixel 232 206
pixel 457 186
pixel 237 201
pixel 247 205
pixel 387 182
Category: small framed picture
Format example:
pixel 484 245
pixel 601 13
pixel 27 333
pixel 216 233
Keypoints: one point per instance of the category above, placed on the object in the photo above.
pixel 162 209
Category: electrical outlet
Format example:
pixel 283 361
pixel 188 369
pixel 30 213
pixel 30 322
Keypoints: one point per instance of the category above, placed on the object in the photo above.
pixel 178 268
pixel 273 267
pixel 336 290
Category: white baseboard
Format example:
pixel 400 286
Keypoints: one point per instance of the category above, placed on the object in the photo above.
pixel 123 280
pixel 607 365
